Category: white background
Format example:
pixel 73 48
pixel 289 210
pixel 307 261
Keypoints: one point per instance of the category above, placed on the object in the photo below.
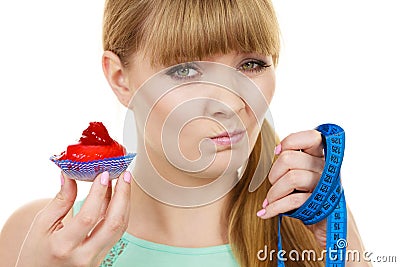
pixel 339 63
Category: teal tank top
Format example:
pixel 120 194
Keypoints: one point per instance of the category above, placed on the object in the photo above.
pixel 131 251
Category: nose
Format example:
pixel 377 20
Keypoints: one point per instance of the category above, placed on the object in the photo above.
pixel 223 104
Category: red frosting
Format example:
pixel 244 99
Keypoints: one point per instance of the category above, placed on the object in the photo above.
pixel 94 144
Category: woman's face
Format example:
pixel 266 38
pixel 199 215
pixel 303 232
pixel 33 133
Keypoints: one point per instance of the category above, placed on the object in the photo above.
pixel 224 122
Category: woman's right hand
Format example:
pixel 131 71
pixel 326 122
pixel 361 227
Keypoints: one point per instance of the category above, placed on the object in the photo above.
pixel 87 237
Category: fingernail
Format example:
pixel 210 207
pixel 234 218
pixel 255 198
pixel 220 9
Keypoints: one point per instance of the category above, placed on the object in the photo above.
pixel 265 203
pixel 127 177
pixel 105 176
pixel 261 212
pixel 278 149
pixel 62 179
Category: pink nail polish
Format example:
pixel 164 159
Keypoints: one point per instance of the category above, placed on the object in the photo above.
pixel 278 149
pixel 265 203
pixel 62 179
pixel 261 212
pixel 127 177
pixel 105 176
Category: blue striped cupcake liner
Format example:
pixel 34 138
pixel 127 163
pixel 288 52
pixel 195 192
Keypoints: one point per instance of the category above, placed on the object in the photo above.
pixel 87 171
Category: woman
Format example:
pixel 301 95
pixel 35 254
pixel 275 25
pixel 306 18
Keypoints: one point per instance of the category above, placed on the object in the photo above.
pixel 131 227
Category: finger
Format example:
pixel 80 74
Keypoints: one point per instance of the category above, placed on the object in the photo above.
pixel 59 206
pixel 294 160
pixel 288 203
pixel 81 224
pixel 106 201
pixel 300 180
pixel 110 230
pixel 309 142
pixel 104 208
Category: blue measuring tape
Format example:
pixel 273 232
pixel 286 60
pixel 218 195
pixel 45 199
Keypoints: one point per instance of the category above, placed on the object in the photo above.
pixel 327 200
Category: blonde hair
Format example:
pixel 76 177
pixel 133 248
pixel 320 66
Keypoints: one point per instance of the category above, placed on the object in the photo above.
pixel 178 31
pixel 247 234
pixel 172 32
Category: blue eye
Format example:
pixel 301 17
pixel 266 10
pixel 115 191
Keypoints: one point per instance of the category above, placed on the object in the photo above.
pixel 184 71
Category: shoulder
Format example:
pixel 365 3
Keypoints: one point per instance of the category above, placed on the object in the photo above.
pixel 16 228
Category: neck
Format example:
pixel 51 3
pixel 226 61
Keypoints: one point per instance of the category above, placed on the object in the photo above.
pixel 155 221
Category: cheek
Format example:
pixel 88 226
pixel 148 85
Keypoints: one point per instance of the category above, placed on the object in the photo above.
pixel 163 131
pixel 266 83
pixel 167 125
pixel 154 123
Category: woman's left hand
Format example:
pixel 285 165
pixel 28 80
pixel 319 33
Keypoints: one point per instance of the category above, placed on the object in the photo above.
pixel 294 175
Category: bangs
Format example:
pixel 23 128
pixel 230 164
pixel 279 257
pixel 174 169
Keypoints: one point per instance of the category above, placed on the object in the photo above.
pixel 181 31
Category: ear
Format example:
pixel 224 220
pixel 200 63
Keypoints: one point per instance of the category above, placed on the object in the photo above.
pixel 116 75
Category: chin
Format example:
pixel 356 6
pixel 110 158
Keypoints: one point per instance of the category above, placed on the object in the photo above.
pixel 223 165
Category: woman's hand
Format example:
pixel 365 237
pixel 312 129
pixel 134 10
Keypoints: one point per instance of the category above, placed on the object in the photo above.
pixel 294 175
pixel 87 237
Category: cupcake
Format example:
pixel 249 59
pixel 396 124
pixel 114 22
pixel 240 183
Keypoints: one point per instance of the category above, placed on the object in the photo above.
pixel 95 153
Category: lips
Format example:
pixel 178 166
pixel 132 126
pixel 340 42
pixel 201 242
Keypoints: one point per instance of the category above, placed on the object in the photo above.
pixel 228 138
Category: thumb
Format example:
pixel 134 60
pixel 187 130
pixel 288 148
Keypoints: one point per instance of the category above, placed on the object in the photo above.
pixel 61 204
